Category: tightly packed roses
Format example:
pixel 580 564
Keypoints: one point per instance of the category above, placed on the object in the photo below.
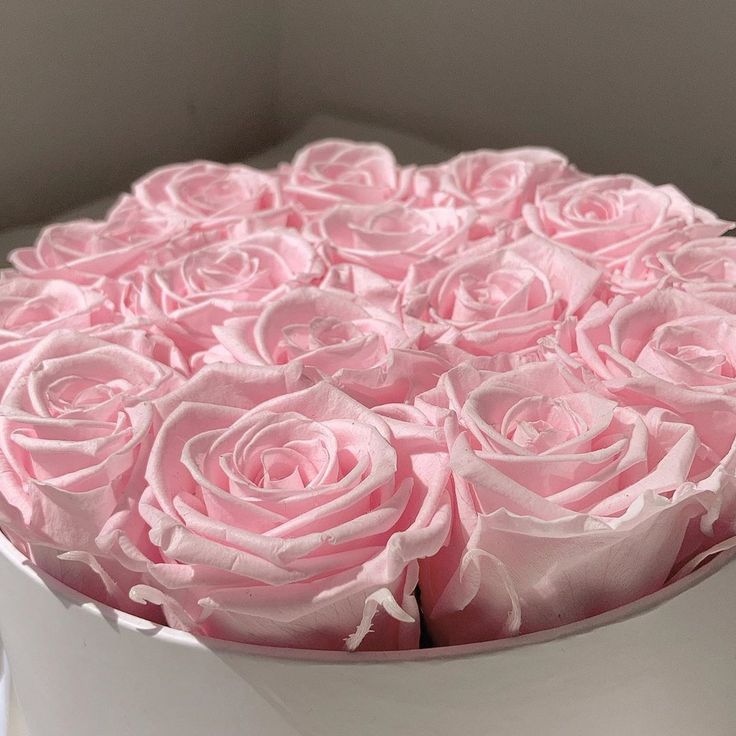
pixel 344 404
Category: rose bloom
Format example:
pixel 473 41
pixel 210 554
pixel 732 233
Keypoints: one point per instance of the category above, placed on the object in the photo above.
pixel 495 183
pixel 607 218
pixel 705 267
pixel 336 171
pixel 83 251
pixel 203 190
pixel 297 522
pixel 567 503
pixel 494 300
pixel 364 350
pixel 76 427
pixel 390 238
pixel 670 349
pixel 190 295
pixel 31 309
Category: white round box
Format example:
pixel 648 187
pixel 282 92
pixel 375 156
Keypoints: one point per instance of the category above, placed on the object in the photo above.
pixel 663 666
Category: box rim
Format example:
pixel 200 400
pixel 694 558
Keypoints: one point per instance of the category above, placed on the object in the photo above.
pixel 176 637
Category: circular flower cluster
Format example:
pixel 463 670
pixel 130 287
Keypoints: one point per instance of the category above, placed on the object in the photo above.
pixel 321 406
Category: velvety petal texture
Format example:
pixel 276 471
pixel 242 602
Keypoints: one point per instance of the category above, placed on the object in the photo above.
pixel 336 171
pixel 568 503
pixel 190 295
pixel 354 405
pixel 296 522
pixel 76 429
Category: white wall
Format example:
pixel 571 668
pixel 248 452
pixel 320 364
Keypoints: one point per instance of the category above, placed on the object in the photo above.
pixel 95 92
pixel 647 86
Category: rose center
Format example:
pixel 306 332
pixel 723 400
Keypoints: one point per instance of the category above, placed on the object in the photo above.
pixel 699 347
pixel 595 208
pixel 212 272
pixel 343 173
pixel 73 393
pixel 494 288
pixel 283 467
pixel 708 361
pixel 320 332
pixel 501 179
pixel 287 456
pixel 540 424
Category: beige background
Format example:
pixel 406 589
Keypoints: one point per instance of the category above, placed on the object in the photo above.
pixel 95 92
pixel 647 86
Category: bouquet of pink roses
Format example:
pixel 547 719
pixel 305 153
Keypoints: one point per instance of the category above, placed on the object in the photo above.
pixel 327 405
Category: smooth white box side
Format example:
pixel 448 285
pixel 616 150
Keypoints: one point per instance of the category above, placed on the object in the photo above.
pixel 664 666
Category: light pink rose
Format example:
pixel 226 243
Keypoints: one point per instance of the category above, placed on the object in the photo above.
pixel 607 218
pixel 390 238
pixel 31 309
pixel 672 350
pixel 190 295
pixel 668 349
pixel 295 523
pixel 704 267
pixel 495 300
pixel 364 350
pixel 567 504
pixel 495 183
pixel 203 190
pixel 76 427
pixel 336 171
pixel 83 251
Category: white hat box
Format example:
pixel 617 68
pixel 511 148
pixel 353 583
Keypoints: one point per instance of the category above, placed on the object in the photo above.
pixel 663 666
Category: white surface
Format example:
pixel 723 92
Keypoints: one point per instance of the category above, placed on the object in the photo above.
pixel 11 719
pixel 662 667
pixel 17 725
pixel 4 692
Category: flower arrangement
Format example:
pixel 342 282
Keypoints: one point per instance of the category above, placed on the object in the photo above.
pixel 347 404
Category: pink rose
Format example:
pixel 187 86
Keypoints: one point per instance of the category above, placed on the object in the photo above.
pixel 365 351
pixel 495 300
pixel 336 171
pixel 31 309
pixel 203 190
pixel 390 238
pixel 190 295
pixel 83 251
pixel 76 427
pixel 189 237
pixel 295 523
pixel 567 504
pixel 705 267
pixel 668 349
pixel 702 263
pixel 607 218
pixel 495 183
